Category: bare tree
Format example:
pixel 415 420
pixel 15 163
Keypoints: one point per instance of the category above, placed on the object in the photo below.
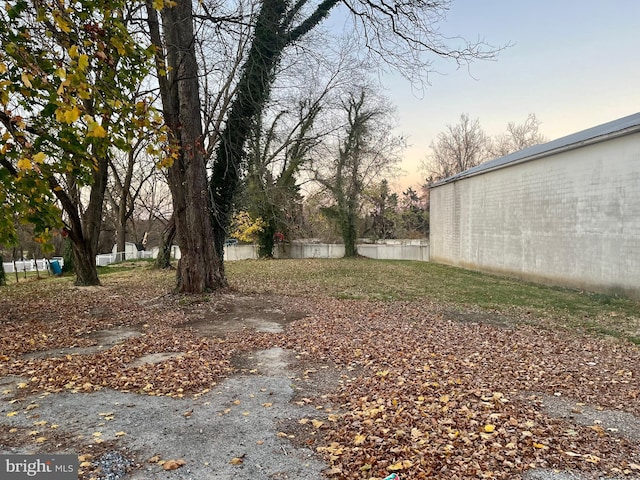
pixel 458 148
pixel 517 137
pixel 366 149
pixel 129 174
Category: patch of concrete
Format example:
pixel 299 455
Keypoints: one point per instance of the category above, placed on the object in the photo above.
pixel 549 474
pixel 274 361
pixel 239 419
pixel 104 338
pixel 234 313
pixel 481 318
pixel 614 422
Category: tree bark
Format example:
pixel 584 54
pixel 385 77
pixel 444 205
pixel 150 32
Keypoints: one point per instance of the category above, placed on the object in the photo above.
pixel 200 269
pixel 166 242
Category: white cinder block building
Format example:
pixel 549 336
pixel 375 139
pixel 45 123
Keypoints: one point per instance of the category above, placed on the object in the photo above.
pixel 566 212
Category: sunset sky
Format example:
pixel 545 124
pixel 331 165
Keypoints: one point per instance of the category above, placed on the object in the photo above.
pixel 575 64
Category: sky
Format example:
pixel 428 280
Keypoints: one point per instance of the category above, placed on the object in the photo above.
pixel 575 64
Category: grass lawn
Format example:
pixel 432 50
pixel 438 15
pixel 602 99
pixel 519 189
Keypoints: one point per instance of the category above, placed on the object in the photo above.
pixel 456 288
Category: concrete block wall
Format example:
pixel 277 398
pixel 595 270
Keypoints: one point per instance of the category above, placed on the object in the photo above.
pixel 571 219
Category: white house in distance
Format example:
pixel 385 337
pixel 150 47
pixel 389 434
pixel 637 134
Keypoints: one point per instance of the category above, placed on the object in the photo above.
pixel 566 212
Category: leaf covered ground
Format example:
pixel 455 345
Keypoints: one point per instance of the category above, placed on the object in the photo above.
pixel 429 389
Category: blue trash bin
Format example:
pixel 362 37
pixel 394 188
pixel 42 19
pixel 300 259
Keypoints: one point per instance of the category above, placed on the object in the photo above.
pixel 55 266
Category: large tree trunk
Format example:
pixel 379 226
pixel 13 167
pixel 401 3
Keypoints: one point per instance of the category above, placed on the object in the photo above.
pixel 84 262
pixel 349 232
pixel 166 242
pixel 200 269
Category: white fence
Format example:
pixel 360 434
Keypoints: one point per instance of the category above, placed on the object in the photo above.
pixel 104 259
pixel 389 250
pixel 29 265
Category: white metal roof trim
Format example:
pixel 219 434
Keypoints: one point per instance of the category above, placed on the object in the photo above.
pixel 575 139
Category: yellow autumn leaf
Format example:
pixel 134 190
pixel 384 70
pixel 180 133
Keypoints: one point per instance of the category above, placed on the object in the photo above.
pixel 40 439
pixel 359 439
pixel 158 4
pixel 12 414
pixel 61 73
pixel 71 115
pixel 26 79
pixel 85 464
pixel 3 68
pixel 96 130
pixel 97 434
pixel 317 423
pixel 120 434
pixel 83 62
pixel 236 461
pixel 24 164
pixel 400 465
pixel 173 464
pixel 62 24
pixel 538 445
pixel 489 428
pixel 60 91
pixel 73 51
pixel 13 430
pixel 39 157
pixel 116 42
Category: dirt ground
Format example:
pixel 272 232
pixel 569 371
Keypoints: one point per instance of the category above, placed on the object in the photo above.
pixel 247 387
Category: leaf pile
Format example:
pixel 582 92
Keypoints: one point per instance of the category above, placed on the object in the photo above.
pixel 439 399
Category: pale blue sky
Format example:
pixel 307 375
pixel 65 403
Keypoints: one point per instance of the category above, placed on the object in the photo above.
pixel 575 64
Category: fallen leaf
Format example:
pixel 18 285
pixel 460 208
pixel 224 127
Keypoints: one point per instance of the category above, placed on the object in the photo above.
pixel 173 464
pixel 236 461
